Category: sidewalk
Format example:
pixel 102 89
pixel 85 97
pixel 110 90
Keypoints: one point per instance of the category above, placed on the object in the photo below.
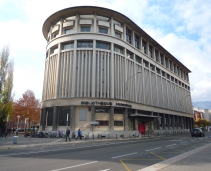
pixel 194 160
pixel 32 142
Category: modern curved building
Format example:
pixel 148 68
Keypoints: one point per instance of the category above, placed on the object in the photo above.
pixel 102 67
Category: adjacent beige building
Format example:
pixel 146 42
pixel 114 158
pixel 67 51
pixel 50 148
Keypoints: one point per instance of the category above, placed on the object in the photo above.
pixel 102 67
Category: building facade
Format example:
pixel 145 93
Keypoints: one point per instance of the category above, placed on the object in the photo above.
pixel 102 67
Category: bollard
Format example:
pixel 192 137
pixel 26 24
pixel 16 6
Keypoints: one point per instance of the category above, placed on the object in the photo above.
pixel 123 136
pixel 15 139
pixel 101 136
pixel 93 136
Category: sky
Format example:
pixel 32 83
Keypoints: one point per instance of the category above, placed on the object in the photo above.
pixel 182 27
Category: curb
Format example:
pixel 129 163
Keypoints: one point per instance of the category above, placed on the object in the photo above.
pixel 165 163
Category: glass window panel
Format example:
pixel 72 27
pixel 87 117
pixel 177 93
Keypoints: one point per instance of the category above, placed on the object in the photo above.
pixel 103 45
pixel 85 29
pixel 103 30
pixel 85 44
pixel 118 49
pixel 118 35
pixel 68 31
pixel 68 46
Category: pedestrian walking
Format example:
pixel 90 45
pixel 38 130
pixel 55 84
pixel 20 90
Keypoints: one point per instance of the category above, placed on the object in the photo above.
pixel 79 134
pixel 68 134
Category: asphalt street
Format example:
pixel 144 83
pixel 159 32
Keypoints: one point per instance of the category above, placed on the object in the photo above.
pixel 134 154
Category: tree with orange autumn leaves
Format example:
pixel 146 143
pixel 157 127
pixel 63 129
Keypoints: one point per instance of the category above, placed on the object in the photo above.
pixel 27 107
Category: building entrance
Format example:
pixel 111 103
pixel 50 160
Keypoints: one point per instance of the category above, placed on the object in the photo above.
pixel 141 128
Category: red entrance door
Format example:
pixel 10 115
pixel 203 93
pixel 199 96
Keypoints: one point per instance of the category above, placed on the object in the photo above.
pixel 141 128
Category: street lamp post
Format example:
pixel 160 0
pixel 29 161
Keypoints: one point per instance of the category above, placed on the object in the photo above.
pixel 126 83
pixel 67 118
pixel 18 121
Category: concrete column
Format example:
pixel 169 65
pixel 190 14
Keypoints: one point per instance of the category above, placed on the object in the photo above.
pixel 112 27
pixel 173 122
pixel 136 124
pixel 168 122
pixel 124 32
pixel 95 24
pixel 188 121
pixel 126 119
pixel 41 116
pixel 58 71
pixel 72 118
pixel 111 118
pixel 158 122
pixel 93 113
pixel 177 122
pixel 76 23
pixel 61 26
pixel 54 128
pixel 94 68
pixel 163 122
pixel 111 71
pixel 44 119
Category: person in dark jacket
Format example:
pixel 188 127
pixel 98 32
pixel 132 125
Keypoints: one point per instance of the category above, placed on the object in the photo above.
pixel 68 134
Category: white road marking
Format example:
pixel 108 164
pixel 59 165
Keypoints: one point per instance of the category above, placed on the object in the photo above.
pixel 183 142
pixel 124 155
pixel 171 145
pixel 75 166
pixel 56 141
pixel 153 149
pixel 105 170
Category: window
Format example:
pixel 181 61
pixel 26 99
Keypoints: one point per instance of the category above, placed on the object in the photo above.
pixel 68 31
pixel 150 51
pixel 129 54
pixel 128 35
pixel 161 59
pixel 152 67
pixel 167 62
pixel 163 73
pixel 146 64
pixel 85 29
pixel 119 111
pixel 170 63
pixel 103 30
pixel 137 41
pixel 172 78
pixel 144 46
pixel 158 70
pixel 118 123
pixel 118 49
pixel 138 59
pixel 101 110
pixel 55 35
pixel 82 116
pixel 68 46
pixel 50 117
pixel 103 45
pixel 156 55
pixel 85 44
pixel 118 35
pixel 168 76
pixel 103 123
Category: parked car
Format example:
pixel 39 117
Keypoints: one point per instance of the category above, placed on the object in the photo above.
pixel 197 132
pixel 20 129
